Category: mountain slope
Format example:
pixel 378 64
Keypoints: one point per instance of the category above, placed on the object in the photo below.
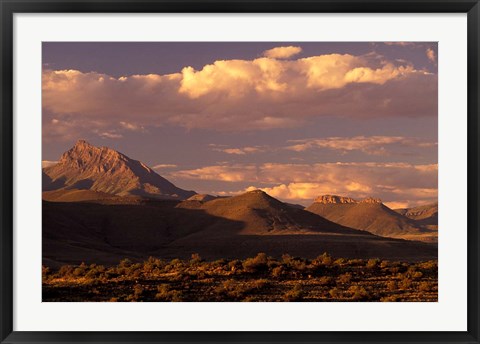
pixel 370 215
pixel 101 169
pixel 425 214
pixel 263 214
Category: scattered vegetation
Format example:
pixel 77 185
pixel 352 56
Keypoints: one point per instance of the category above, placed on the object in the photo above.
pixel 260 278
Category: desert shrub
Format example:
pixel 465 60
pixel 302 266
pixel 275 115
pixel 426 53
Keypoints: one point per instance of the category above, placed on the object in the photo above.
pixel 358 293
pixel 335 293
pixel 195 259
pixel 340 261
pixel 372 263
pixel 45 272
pixel 256 264
pixel 125 263
pixel 424 286
pixel 80 270
pixel 286 259
pixel 66 270
pixel 138 290
pixel 326 280
pixel 405 283
pixel 391 285
pixel 345 278
pixel 294 294
pixel 390 298
pixel 429 265
pixel 324 259
pixel 165 293
pixel 278 271
pixel 355 262
pixel 233 289
pixel 298 264
pixel 260 283
pixel 152 265
pixel 384 264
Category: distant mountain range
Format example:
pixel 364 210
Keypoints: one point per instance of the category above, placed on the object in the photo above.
pixel 101 206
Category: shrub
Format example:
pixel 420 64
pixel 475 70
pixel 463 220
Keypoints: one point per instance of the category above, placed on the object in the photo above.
pixel 294 294
pixel 405 283
pixel 391 285
pixel 335 293
pixel 258 263
pixel 424 286
pixel 278 271
pixel 358 293
pixel 372 263
pixel 164 293
pixel 324 259
pixel 66 270
pixel 325 280
pixel 345 278
pixel 195 258
pixel 233 289
pixel 390 298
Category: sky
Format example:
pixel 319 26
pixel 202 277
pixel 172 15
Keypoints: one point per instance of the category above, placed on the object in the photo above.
pixel 295 119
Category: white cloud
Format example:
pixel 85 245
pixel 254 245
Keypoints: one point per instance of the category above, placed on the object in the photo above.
pixel 238 151
pixel 282 52
pixel 110 135
pixel 431 55
pixel 373 145
pixel 238 95
pixel 164 166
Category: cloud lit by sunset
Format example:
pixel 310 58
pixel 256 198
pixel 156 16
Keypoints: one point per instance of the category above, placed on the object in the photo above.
pixel 294 119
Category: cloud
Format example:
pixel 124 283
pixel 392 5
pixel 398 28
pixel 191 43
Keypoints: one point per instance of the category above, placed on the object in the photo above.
pixel 402 44
pixel 238 95
pixel 110 135
pixel 299 182
pixel 238 151
pixel 164 166
pixel 431 55
pixel 282 52
pixel 372 145
pixel 131 126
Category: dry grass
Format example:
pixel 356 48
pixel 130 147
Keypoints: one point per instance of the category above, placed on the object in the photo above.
pixel 260 278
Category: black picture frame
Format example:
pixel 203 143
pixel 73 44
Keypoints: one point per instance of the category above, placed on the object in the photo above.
pixel 9 8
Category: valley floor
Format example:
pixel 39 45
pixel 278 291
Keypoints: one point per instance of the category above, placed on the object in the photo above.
pixel 260 278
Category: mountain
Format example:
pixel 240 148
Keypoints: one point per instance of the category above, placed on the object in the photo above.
pixel 371 215
pixel 263 214
pixel 425 214
pixel 105 231
pixel 104 170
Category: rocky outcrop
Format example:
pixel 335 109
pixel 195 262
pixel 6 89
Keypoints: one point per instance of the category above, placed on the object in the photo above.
pixel 333 199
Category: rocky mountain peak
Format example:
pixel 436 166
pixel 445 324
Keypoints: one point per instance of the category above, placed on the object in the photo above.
pixel 85 166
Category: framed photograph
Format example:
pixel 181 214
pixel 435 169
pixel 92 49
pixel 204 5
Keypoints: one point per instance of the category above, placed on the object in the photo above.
pixel 216 171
